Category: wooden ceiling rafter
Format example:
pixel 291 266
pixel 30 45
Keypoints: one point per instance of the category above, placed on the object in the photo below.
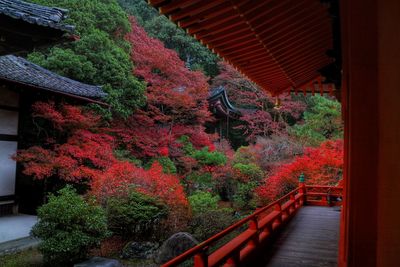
pixel 229 37
pixel 276 76
pixel 213 22
pixel 230 17
pixel 302 12
pixel 262 71
pixel 276 5
pixel 246 53
pixel 196 9
pixel 287 51
pixel 279 44
pixel 172 6
pixel 316 28
pixel 224 8
pixel 236 44
pixel 250 26
pixel 291 23
pixel 297 36
pixel 288 61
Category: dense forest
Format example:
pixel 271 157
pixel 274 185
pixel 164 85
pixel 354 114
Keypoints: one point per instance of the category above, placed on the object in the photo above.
pixel 146 166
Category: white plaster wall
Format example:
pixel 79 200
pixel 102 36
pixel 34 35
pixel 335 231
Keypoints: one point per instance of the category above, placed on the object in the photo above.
pixel 7 168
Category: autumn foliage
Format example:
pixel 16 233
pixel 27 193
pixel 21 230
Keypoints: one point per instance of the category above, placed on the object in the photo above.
pixel 88 156
pixel 84 154
pixel 163 151
pixel 153 182
pixel 176 101
pixel 259 116
pixel 321 166
pixel 174 93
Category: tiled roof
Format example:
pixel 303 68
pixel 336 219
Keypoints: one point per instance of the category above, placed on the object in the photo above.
pixel 220 93
pixel 51 17
pixel 20 70
pixel 218 97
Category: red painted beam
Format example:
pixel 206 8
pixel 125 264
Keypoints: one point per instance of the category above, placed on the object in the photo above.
pixel 206 16
pixel 193 10
pixel 181 4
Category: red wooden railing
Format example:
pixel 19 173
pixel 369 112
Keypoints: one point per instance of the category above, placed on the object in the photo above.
pixel 260 226
pixel 317 195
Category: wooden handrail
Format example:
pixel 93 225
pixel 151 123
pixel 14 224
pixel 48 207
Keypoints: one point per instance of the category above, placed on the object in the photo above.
pixel 322 195
pixel 261 224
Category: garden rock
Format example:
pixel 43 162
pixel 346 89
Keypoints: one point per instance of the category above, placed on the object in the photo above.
pixel 139 250
pixel 99 262
pixel 174 246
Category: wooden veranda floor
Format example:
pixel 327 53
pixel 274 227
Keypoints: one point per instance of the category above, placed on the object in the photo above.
pixel 309 240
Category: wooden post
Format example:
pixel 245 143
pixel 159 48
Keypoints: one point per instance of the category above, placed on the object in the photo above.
pixel 302 188
pixel 253 225
pixel 278 220
pixel 292 207
pixel 234 260
pixel 200 259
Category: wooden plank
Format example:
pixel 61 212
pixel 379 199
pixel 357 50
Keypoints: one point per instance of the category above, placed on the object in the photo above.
pixel 310 239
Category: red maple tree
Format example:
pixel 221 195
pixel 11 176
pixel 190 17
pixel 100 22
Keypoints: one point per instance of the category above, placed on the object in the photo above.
pixel 176 101
pixel 153 182
pixel 87 156
pixel 175 95
pixel 85 152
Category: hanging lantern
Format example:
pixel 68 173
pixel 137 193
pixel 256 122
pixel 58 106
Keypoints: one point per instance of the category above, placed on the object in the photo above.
pixel 277 103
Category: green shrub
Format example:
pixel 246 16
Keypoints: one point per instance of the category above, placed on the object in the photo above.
pixel 248 172
pixel 244 197
pixel 203 201
pixel 322 121
pixel 187 146
pixel 226 187
pixel 166 163
pixel 69 227
pixel 205 157
pixel 199 181
pixel 135 215
pixel 125 155
pixel 244 155
pixel 210 222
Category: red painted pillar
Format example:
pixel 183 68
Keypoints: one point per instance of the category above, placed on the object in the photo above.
pixel 370 231
pixel 360 83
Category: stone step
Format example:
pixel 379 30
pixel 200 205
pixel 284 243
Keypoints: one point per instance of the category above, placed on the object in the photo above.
pixel 18 245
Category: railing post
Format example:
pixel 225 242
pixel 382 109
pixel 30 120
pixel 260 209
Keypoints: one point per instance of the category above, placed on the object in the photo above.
pixel 279 219
pixel 234 260
pixel 253 225
pixel 292 207
pixel 201 259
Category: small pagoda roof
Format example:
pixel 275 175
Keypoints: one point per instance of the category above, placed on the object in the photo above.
pixel 220 104
pixel 20 71
pixel 24 26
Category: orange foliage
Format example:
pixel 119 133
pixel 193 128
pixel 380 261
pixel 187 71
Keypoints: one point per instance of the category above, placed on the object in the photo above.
pixel 321 166
pixel 152 182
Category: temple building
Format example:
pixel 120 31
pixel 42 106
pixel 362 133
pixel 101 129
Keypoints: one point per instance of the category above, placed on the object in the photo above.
pixel 224 112
pixel 24 27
